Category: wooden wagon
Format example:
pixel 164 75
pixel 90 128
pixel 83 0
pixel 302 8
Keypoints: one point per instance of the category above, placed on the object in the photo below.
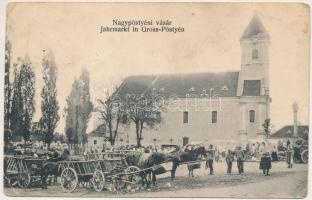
pixel 22 170
pixel 101 172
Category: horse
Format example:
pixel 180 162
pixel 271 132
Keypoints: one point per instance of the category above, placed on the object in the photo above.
pixel 51 167
pixel 149 163
pixel 188 155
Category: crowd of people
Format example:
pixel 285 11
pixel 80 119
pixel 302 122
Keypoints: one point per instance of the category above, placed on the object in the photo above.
pixel 253 152
pixel 258 151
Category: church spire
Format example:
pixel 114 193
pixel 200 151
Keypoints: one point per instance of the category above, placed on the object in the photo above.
pixel 254 28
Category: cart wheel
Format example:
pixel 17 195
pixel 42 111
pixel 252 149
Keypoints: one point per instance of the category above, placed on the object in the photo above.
pixel 69 179
pixel 132 175
pixel 23 180
pixel 305 156
pixel 98 180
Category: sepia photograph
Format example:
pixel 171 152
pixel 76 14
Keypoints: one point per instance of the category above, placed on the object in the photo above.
pixel 111 99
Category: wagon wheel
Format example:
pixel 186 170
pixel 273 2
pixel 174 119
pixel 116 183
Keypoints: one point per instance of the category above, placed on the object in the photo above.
pixel 69 179
pixel 23 180
pixel 132 175
pixel 98 180
pixel 305 156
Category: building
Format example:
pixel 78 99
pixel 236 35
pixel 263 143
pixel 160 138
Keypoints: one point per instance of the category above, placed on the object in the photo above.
pixel 201 107
pixel 288 133
pixel 97 139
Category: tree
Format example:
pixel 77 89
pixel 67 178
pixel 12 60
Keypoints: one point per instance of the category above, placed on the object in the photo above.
pixel 267 128
pixel 78 110
pixel 56 137
pixel 111 112
pixel 23 101
pixel 143 112
pixel 49 103
pixel 7 84
pixel 36 131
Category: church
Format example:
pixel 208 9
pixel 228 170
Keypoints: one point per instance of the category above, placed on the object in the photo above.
pixel 204 107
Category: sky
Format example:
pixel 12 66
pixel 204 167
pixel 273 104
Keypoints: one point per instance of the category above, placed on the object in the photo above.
pixel 210 43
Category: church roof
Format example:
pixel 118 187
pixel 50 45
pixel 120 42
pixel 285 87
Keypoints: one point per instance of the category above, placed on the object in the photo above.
pixel 288 132
pixel 179 85
pixel 254 27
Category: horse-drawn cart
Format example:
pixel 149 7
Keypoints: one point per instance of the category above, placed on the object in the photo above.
pixel 22 170
pixel 101 172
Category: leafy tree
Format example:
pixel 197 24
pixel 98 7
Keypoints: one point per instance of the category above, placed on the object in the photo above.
pixel 86 105
pixel 7 85
pixel 23 101
pixel 37 132
pixel 62 138
pixel 78 110
pixel 49 103
pixel 56 137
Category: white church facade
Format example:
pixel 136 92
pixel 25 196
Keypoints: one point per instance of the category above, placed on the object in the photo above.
pixel 202 107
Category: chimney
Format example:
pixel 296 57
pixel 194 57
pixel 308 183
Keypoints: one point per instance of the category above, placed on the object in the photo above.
pixel 295 111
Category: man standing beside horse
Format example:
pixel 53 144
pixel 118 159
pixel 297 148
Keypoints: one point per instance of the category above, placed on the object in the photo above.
pixel 210 157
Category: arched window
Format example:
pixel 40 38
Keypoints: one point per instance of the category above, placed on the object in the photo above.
pixel 252 116
pixel 254 54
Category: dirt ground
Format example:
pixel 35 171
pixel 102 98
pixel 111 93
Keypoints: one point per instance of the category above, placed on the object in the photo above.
pixel 281 183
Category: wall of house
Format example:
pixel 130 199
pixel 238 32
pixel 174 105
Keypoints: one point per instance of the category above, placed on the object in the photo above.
pixel 98 146
pixel 232 121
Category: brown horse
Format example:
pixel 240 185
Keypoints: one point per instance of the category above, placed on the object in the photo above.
pixel 150 164
pixel 187 155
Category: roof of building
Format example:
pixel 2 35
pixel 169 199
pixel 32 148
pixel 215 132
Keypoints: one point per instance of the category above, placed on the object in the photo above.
pixel 180 85
pixel 100 131
pixel 288 132
pixel 254 27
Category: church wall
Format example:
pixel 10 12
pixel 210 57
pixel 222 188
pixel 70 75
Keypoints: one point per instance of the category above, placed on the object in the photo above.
pixel 200 127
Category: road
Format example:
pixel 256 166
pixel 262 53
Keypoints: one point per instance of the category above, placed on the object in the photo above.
pixel 281 183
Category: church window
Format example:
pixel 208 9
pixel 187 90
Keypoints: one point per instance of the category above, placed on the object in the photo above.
pixel 95 142
pixel 254 54
pixel 185 117
pixel 252 116
pixel 214 117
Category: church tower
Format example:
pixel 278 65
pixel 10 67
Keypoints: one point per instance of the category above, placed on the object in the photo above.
pixel 253 82
pixel 254 74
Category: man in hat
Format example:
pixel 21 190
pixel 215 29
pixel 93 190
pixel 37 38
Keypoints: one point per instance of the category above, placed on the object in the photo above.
pixel 229 158
pixel 240 157
pixel 210 158
pixel 289 155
